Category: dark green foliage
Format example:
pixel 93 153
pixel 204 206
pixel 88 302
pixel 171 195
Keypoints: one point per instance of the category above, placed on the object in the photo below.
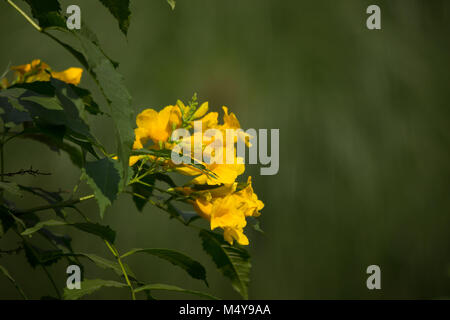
pixel 103 177
pixel 192 267
pixel 120 9
pixel 232 261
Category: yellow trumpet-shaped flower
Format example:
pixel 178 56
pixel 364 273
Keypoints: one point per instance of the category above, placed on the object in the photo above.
pixel 158 126
pixel 252 205
pixel 226 208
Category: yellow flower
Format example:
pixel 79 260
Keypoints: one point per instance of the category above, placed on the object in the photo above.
pixel 252 205
pixel 71 75
pixel 226 208
pixel 40 71
pixel 158 126
pixel 225 214
pixel 223 174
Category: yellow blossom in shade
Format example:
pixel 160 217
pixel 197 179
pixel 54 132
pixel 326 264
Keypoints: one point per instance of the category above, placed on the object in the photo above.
pixel 71 75
pixel 40 71
pixel 158 126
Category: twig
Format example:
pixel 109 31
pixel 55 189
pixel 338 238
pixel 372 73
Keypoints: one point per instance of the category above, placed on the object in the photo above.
pixel 22 172
pixel 34 24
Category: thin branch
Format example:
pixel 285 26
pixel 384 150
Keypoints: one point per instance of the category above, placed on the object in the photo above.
pixel 22 172
pixel 34 24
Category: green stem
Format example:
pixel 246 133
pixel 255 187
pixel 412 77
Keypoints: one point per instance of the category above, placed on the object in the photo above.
pixel 34 24
pixel 116 254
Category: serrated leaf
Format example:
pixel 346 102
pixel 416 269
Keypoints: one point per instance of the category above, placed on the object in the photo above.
pixel 89 104
pixel 56 111
pixel 192 267
pixel 37 256
pixel 113 88
pixel 144 191
pixel 102 263
pixel 103 69
pixel 90 286
pixel 164 178
pixel 47 12
pixel 108 264
pixel 104 232
pixel 167 287
pixel 187 217
pixel 120 9
pixel 103 177
pixel 233 262
pixel 42 224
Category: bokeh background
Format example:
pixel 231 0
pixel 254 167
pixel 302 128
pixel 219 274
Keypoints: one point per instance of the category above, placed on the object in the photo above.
pixel 364 139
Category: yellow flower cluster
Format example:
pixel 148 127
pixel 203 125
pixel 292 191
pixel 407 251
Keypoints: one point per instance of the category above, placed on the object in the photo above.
pixel 40 71
pixel 220 199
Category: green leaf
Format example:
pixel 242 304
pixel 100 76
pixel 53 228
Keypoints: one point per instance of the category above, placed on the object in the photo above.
pixel 53 137
pixel 113 88
pixel 107 264
pixel 47 12
pixel 42 224
pixel 89 104
pixel 167 287
pixel 12 280
pixel 104 232
pixel 120 9
pixel 144 191
pixel 192 267
pixel 164 178
pixel 187 217
pixel 172 4
pixel 102 263
pixel 6 220
pixel 233 262
pixel 57 112
pixel 11 188
pixel 103 177
pixel 103 69
pixel 90 286
pixel 37 256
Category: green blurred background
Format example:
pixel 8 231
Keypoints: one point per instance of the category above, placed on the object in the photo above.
pixel 364 139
